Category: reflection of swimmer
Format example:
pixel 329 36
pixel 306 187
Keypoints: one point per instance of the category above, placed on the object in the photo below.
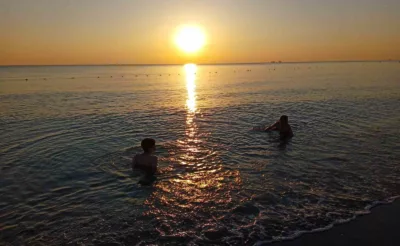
pixel 282 125
pixel 146 161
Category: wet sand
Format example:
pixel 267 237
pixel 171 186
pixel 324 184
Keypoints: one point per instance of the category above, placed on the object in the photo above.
pixel 380 227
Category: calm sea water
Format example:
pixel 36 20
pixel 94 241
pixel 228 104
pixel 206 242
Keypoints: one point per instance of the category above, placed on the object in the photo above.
pixel 68 133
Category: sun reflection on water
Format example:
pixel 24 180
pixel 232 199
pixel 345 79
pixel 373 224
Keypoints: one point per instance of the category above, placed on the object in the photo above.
pixel 190 70
pixel 191 140
pixel 198 188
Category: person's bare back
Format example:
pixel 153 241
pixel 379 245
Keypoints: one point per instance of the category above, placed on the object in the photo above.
pixel 146 161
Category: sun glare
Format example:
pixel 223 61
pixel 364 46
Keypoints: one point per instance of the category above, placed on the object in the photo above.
pixel 190 39
pixel 190 70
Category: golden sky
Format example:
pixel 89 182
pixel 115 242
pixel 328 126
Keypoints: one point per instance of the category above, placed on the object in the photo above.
pixel 237 31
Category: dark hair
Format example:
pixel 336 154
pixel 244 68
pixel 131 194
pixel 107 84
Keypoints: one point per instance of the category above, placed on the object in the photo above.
pixel 284 119
pixel 147 144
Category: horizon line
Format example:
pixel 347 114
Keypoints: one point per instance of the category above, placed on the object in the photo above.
pixel 200 64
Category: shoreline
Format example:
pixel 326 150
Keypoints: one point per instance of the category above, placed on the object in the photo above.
pixel 379 227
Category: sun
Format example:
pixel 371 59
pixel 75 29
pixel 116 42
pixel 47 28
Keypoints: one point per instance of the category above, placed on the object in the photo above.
pixel 190 39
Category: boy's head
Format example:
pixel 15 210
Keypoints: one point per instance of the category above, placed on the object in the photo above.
pixel 148 145
pixel 284 119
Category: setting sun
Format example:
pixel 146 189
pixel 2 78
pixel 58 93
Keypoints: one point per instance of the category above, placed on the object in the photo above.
pixel 190 39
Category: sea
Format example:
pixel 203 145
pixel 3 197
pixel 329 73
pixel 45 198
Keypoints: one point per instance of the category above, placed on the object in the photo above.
pixel 68 134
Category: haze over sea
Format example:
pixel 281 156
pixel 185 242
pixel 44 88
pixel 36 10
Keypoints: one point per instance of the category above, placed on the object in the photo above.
pixel 68 133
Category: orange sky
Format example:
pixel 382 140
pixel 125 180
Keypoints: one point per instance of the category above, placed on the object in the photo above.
pixel 133 32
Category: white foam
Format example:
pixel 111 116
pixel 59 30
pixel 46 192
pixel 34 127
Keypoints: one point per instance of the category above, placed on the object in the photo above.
pixel 296 234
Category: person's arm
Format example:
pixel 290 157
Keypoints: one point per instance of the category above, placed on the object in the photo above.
pixel 154 165
pixel 272 127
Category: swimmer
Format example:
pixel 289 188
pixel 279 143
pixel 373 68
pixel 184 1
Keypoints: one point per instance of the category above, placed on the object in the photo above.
pixel 282 125
pixel 146 161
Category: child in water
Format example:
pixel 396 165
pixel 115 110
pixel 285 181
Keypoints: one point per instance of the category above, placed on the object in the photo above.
pixel 146 161
pixel 282 125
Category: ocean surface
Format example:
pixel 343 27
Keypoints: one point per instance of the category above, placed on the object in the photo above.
pixel 67 134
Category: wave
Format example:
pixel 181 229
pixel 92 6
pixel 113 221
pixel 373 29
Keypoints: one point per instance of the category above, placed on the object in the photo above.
pixel 296 234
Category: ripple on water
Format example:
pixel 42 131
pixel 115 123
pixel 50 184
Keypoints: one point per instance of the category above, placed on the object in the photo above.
pixel 66 176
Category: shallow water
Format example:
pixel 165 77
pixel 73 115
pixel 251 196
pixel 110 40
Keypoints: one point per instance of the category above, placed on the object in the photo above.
pixel 68 133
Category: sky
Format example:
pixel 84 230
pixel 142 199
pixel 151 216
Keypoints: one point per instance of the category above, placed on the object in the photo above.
pixel 52 32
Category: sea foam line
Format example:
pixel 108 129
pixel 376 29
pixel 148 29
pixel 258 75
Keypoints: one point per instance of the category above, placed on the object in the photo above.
pixel 296 234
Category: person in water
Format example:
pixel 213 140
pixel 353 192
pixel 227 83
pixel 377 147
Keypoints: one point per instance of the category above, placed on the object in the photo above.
pixel 282 125
pixel 146 161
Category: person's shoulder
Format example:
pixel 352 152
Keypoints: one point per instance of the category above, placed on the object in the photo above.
pixel 138 156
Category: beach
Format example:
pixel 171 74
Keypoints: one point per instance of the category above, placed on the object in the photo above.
pixel 380 227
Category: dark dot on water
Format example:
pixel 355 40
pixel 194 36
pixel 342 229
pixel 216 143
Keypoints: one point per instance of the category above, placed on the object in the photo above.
pixel 98 77
pixel 26 79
